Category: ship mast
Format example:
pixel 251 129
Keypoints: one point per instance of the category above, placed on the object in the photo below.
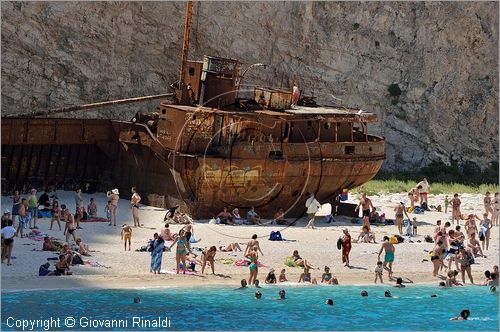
pixel 181 93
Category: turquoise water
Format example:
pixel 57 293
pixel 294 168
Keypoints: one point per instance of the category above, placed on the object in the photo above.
pixel 217 308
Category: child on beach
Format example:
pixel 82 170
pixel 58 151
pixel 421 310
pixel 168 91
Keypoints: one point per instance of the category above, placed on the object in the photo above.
pixel 282 277
pixel 414 226
pixel 107 210
pixel 378 272
pixel 92 209
pixel 126 235
pixel 446 203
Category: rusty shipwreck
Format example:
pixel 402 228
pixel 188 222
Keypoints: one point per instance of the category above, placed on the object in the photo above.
pixel 203 147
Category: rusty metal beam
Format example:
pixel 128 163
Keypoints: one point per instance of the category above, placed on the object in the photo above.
pixel 182 92
pixel 91 106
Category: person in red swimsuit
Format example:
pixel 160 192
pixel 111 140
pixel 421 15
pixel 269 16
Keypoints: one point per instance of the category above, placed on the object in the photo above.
pixel 346 247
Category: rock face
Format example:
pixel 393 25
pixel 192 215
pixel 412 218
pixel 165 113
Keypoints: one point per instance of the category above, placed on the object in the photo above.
pixel 428 69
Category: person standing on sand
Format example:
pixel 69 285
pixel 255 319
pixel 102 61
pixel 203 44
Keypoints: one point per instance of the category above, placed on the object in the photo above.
pixel 487 204
pixel 365 204
pixel 23 217
pixel 423 189
pixel 253 256
pixel 126 235
pixel 253 243
pixel 8 234
pixel 16 202
pixel 312 206
pixel 455 206
pixel 70 223
pixel 466 259
pixel 181 251
pixel 33 208
pixel 134 201
pixel 114 196
pixel 446 204
pixel 485 231
pixel 389 254
pixel 400 212
pixel 157 255
pixel 495 202
pixel 79 207
pixel 346 247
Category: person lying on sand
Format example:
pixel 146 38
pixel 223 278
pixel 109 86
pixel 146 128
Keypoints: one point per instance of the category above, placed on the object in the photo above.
pixel 48 245
pixel 231 247
pixel 299 261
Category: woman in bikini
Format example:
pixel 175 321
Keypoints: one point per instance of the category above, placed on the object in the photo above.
pixel 114 196
pixel 56 215
pixel 253 256
pixel 306 277
pixel 487 203
pixel 208 255
pixel 70 223
pixel 134 201
pixel 400 212
pixel 167 235
pixel 466 259
pixel 328 278
pixel 299 261
pixel 495 202
pixel 231 247
pixel 181 251
pixel 470 225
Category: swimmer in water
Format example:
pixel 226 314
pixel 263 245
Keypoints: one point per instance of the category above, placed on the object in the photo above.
pixel 256 283
pixel 364 293
pixel 137 299
pixel 464 314
pixel 258 295
pixel 329 302
pixel 243 284
pixel 493 289
pixel 281 294
pixel 387 293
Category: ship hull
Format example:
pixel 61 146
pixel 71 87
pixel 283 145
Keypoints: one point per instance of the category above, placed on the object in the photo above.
pixel 98 155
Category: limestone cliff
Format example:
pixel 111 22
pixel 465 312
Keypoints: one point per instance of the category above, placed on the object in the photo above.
pixel 428 69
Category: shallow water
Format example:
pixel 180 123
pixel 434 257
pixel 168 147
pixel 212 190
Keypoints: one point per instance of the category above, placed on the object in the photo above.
pixel 217 308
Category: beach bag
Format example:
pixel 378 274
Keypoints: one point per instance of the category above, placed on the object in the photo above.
pixel 275 236
pixel 428 238
pixel 424 206
pixel 400 239
pixel 417 210
pixel 393 240
pixel 77 259
pixel 339 243
pixel 344 196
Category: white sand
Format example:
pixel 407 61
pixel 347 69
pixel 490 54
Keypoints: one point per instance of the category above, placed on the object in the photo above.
pixel 131 269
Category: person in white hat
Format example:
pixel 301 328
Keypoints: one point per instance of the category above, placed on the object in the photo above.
pixel 6 217
pixel 114 196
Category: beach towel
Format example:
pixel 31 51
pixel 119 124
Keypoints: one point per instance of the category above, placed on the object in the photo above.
pixel 94 220
pixel 225 260
pixel 157 255
pixel 44 214
pixel 175 272
pixel 290 262
pixel 95 264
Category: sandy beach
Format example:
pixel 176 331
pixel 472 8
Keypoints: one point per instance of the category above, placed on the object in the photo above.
pixel 130 269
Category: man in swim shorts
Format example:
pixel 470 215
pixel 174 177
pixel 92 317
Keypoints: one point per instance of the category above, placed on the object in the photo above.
pixel 365 203
pixel 389 255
